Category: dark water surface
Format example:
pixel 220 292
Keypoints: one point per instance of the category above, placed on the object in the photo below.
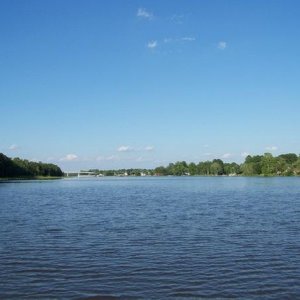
pixel 150 238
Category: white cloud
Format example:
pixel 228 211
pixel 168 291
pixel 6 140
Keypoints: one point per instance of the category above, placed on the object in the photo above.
pixel 177 19
pixel 188 39
pixel 112 158
pixel 152 44
pixel 244 154
pixel 182 39
pixel 226 155
pixel 125 149
pixel 13 147
pixel 168 40
pixel 144 14
pixel 149 148
pixel 272 148
pixel 69 157
pixel 222 45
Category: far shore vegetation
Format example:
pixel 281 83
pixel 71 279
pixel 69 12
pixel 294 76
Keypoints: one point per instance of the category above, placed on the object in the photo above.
pixel 23 169
pixel 257 165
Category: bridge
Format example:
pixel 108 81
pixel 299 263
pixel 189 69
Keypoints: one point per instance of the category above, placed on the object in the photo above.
pixel 79 174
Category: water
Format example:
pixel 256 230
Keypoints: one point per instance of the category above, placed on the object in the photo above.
pixel 150 238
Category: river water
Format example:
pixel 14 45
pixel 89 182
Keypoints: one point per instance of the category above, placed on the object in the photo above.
pixel 150 238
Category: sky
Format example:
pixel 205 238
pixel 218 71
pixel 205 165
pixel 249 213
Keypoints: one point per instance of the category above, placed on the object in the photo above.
pixel 113 84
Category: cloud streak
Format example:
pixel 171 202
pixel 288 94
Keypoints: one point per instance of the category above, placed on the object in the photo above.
pixel 188 39
pixel 13 147
pixel 125 149
pixel 152 44
pixel 244 154
pixel 142 13
pixel 226 155
pixel 271 148
pixel 177 19
pixel 69 157
pixel 222 45
pixel 181 39
pixel 149 148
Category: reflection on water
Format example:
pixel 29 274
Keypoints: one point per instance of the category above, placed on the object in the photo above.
pixel 150 238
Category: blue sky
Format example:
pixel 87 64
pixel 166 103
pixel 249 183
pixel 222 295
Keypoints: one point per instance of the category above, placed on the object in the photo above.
pixel 111 84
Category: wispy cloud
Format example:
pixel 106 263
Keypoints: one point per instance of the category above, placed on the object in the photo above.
pixel 181 39
pixel 144 14
pixel 271 148
pixel 125 149
pixel 244 154
pixel 188 39
pixel 149 148
pixel 69 157
pixel 13 147
pixel 152 44
pixel 222 45
pixel 177 19
pixel 168 40
pixel 226 155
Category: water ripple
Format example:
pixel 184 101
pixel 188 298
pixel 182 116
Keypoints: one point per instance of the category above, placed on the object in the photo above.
pixel 185 238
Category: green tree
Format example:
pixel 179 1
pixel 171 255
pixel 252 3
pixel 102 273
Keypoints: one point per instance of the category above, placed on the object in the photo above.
pixel 180 168
pixel 204 168
pixel 231 168
pixel 217 167
pixel 289 158
pixel 160 171
pixel 296 167
pixel 192 169
pixel 268 165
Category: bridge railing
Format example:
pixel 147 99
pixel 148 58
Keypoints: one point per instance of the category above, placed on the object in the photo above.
pixel 79 173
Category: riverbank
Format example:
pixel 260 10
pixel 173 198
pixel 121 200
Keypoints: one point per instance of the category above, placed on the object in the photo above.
pixel 31 178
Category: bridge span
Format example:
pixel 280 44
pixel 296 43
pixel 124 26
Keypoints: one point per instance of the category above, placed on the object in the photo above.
pixel 80 174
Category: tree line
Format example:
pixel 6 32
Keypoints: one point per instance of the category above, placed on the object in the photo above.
pixel 256 165
pixel 266 165
pixel 19 168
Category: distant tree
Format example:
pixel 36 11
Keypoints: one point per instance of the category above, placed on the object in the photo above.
pixel 296 167
pixel 180 168
pixel 281 165
pixel 204 168
pixel 217 167
pixel 289 158
pixel 231 168
pixel 109 173
pixel 268 164
pixel 248 169
pixel 161 171
pixel 23 168
pixel 192 169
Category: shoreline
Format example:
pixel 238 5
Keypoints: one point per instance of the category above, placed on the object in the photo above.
pixel 46 178
pixel 31 178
